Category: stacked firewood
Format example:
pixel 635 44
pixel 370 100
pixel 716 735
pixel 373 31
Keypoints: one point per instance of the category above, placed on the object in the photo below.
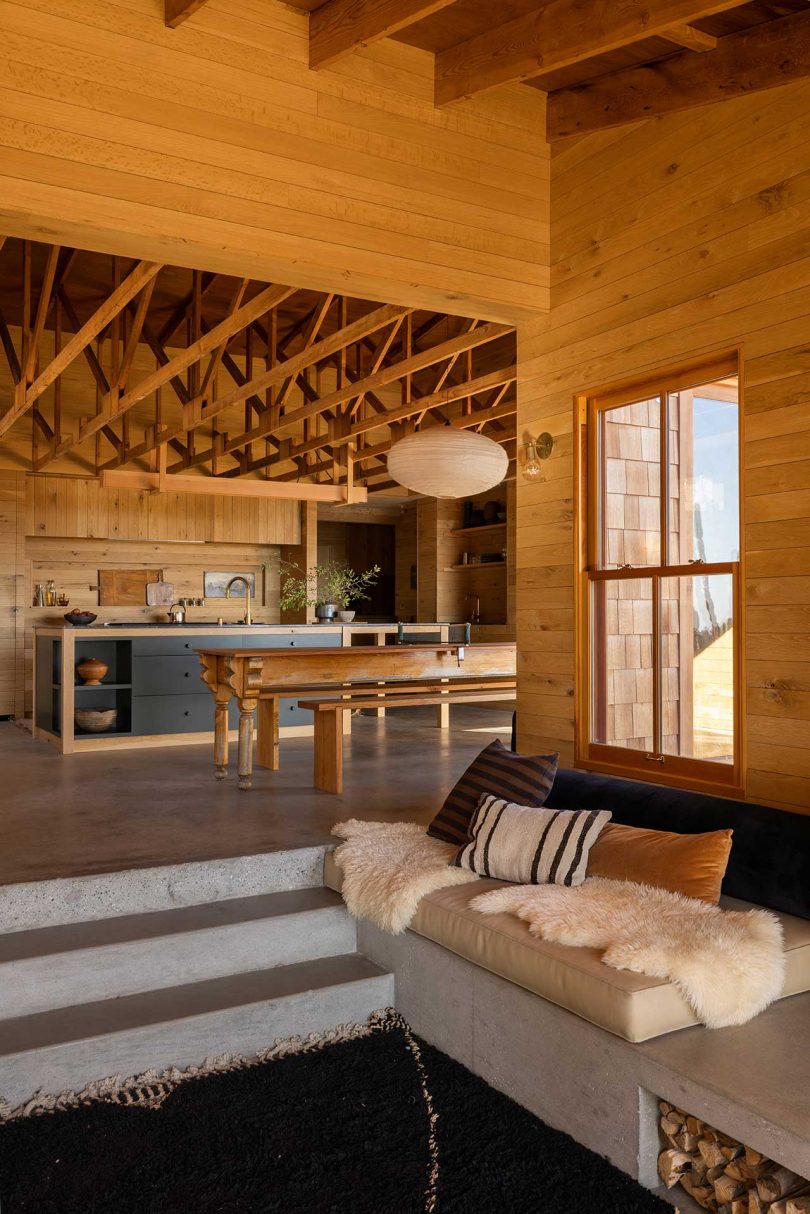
pixel 721 1174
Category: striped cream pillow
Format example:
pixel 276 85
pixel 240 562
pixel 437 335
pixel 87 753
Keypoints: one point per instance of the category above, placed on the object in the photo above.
pixel 530 846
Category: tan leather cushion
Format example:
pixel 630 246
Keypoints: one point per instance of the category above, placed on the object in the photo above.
pixel 686 864
pixel 631 1005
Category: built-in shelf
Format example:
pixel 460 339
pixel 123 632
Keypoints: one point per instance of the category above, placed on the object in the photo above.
pixel 476 565
pixel 79 736
pixel 482 530
pixel 99 686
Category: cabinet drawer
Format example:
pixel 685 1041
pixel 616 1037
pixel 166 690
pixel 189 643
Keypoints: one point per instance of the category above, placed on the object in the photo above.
pixel 176 714
pixel 184 644
pixel 295 640
pixel 168 676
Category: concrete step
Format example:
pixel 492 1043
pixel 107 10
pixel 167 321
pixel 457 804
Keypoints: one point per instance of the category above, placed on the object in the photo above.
pixel 99 959
pixel 138 891
pixel 181 1026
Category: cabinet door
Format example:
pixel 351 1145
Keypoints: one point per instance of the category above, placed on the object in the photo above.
pixel 153 676
pixel 177 714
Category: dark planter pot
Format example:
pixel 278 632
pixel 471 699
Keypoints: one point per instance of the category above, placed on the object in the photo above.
pixel 325 611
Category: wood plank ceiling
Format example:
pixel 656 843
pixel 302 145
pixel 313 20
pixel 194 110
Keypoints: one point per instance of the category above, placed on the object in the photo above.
pixel 134 371
pixel 601 63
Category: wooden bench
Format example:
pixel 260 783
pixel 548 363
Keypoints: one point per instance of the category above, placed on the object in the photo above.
pixel 328 758
pixel 267 723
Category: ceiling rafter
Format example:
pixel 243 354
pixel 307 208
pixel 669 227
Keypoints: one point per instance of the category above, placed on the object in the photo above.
pixel 764 57
pixel 341 26
pixel 558 34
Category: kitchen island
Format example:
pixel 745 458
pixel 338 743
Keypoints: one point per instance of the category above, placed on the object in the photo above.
pixel 153 679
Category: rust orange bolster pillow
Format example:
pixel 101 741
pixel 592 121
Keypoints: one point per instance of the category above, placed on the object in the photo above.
pixel 685 864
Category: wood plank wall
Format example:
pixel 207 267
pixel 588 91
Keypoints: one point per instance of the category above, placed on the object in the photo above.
pixel 674 239
pixel 12 591
pixel 214 146
pixel 67 529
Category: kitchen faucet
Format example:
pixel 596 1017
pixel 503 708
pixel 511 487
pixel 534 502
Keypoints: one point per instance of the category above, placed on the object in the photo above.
pixel 248 620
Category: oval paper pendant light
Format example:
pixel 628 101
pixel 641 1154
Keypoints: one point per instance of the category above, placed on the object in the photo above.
pixel 446 462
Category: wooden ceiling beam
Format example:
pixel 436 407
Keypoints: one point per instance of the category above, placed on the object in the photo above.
pixel 764 57
pixel 178 11
pixel 213 486
pixel 476 420
pixel 690 38
pixel 111 306
pixel 341 26
pixel 560 33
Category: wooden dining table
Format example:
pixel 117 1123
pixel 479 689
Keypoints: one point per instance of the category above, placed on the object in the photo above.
pixel 259 678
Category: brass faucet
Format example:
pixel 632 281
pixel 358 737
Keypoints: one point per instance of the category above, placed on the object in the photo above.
pixel 248 620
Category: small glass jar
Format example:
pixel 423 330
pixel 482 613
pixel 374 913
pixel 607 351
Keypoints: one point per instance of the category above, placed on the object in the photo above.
pixel 50 594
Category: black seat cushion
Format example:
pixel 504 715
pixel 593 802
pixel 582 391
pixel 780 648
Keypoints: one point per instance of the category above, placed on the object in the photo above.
pixel 770 849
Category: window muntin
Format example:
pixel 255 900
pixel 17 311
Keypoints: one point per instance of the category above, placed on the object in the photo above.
pixel 661 647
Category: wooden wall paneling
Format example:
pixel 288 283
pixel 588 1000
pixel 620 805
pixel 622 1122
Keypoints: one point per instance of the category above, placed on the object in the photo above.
pixel 12 580
pixel 214 146
pixel 671 245
pixel 406 556
pixel 70 506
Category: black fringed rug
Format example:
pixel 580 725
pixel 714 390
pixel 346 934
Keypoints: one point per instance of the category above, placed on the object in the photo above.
pixel 379 1123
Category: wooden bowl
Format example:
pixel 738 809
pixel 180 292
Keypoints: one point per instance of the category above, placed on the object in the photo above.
pixel 96 720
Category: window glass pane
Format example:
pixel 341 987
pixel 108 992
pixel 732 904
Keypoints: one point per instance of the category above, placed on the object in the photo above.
pixel 631 484
pixel 697 659
pixel 623 663
pixel 704 512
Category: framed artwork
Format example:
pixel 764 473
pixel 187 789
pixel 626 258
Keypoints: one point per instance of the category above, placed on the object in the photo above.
pixel 215 585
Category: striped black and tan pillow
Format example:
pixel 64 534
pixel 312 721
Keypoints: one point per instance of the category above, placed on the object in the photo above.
pixel 531 846
pixel 526 779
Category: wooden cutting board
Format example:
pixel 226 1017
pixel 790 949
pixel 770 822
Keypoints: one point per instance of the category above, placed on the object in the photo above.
pixel 124 587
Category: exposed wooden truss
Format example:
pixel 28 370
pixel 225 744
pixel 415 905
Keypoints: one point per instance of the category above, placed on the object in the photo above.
pixel 259 389
pixel 761 58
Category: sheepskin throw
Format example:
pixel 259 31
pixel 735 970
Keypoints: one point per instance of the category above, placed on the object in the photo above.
pixel 531 846
pixel 388 867
pixel 728 965
pixel 499 772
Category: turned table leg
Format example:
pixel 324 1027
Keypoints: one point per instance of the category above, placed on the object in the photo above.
pixel 329 750
pixel 247 708
pixel 267 734
pixel 221 705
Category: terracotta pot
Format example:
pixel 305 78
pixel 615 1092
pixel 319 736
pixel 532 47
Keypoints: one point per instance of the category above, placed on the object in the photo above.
pixel 91 671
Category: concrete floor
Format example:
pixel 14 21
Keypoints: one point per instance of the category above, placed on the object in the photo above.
pixel 70 815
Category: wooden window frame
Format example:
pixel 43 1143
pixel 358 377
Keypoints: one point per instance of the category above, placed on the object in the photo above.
pixel 700 774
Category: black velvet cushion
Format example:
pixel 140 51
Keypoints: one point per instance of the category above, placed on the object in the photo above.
pixel 770 849
pixel 498 772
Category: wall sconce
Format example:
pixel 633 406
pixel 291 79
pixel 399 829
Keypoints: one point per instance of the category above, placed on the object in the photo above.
pixel 537 449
